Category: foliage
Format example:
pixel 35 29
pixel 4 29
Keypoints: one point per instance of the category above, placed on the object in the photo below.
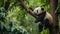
pixel 16 20
pixel 35 3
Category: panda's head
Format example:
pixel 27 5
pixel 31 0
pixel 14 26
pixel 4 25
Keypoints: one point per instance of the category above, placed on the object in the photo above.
pixel 38 10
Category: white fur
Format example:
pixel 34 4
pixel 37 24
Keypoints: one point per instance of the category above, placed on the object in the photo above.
pixel 39 10
pixel 49 17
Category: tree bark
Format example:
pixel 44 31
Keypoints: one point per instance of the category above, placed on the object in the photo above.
pixel 53 6
pixel 27 8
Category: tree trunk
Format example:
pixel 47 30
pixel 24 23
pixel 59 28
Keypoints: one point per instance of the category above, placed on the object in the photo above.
pixel 53 6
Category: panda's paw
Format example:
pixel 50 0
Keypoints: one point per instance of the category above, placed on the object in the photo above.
pixel 36 21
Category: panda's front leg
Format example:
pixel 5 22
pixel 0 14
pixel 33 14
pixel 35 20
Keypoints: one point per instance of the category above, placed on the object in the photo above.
pixel 37 20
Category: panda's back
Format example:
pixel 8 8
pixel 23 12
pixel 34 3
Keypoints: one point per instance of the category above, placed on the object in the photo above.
pixel 49 17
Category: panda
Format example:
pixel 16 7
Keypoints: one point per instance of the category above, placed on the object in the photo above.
pixel 45 18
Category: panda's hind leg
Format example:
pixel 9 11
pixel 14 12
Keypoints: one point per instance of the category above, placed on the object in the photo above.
pixel 46 21
pixel 40 27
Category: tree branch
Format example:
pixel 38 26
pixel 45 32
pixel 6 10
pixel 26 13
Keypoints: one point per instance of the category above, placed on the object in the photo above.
pixel 7 5
pixel 27 8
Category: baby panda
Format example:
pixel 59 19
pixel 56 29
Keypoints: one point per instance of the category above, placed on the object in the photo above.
pixel 44 17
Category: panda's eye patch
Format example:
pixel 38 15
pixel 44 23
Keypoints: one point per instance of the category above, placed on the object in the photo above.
pixel 37 11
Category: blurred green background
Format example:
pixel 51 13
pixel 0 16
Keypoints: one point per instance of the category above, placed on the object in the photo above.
pixel 16 20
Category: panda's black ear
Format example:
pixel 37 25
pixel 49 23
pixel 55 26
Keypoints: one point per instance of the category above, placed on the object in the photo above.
pixel 42 8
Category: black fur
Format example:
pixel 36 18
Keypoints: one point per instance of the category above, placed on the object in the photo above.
pixel 40 17
pixel 40 27
pixel 44 24
pixel 42 9
pixel 46 21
